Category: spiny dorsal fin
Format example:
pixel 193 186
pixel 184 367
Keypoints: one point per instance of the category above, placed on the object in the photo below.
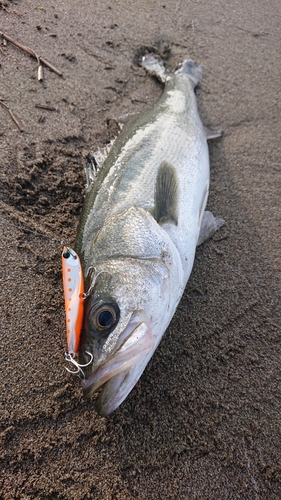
pixel 95 161
pixel 166 194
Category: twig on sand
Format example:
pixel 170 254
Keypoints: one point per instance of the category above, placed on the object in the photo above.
pixel 31 52
pixel 40 71
pixel 4 7
pixel 12 115
pixel 45 106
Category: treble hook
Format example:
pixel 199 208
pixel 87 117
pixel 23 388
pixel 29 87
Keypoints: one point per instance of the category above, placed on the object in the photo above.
pixel 69 357
pixel 93 270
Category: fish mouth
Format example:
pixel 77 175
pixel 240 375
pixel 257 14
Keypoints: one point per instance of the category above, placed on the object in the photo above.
pixel 118 374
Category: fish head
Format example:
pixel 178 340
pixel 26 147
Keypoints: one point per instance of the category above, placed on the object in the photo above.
pixel 125 317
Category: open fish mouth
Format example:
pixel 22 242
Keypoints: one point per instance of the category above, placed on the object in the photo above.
pixel 118 374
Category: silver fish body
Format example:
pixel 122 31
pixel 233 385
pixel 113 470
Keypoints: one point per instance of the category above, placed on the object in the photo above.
pixel 142 219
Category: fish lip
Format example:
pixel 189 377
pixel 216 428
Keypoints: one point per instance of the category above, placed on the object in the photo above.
pixel 134 347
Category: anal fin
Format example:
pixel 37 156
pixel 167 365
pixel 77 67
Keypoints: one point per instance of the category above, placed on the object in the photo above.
pixel 209 226
pixel 212 134
pixel 166 195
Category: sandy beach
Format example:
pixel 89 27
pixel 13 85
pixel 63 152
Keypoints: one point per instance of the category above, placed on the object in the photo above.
pixel 204 420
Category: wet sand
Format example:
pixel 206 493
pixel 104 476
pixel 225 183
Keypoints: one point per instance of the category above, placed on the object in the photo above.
pixel 204 420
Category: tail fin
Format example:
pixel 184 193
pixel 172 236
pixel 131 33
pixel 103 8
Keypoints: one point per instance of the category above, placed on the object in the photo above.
pixel 154 67
pixel 157 68
pixel 192 70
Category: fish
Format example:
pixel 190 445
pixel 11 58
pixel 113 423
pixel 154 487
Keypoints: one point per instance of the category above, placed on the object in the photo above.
pixel 142 219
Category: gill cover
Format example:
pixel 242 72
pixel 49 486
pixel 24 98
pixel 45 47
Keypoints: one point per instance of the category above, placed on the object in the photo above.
pixel 73 286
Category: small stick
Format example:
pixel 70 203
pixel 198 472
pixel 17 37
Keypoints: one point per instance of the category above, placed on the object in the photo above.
pixel 50 66
pixel 9 11
pixel 40 72
pixel 31 53
pixel 221 239
pixel 49 108
pixel 12 116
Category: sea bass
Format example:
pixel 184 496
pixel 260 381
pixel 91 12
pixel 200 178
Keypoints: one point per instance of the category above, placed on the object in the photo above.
pixel 143 216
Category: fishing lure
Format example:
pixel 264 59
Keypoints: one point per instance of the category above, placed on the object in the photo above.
pixel 73 285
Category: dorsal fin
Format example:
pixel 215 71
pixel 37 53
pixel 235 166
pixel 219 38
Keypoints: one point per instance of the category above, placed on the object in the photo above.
pixel 95 161
pixel 166 194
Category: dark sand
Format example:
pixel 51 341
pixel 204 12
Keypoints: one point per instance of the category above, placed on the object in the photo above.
pixel 204 420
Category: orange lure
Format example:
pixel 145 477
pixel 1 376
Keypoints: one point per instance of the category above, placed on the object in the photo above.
pixel 73 286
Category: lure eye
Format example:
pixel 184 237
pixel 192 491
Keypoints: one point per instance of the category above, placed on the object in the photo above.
pixel 66 254
pixel 104 316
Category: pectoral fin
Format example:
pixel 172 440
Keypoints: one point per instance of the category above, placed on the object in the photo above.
pixel 166 195
pixel 209 226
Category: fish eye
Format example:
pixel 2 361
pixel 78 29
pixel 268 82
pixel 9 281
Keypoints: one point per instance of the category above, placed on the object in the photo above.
pixel 104 316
